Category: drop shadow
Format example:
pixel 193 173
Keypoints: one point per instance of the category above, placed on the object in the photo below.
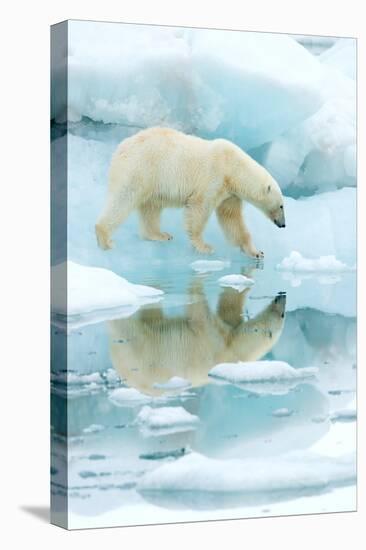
pixel 40 512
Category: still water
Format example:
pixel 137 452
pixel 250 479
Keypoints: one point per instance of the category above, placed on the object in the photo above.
pixel 249 450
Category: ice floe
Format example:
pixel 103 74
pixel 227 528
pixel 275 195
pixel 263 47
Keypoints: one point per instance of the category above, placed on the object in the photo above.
pixel 236 281
pixel 163 420
pixel 84 294
pixel 93 428
pixel 300 471
pixel 127 397
pixel 325 264
pixel 263 377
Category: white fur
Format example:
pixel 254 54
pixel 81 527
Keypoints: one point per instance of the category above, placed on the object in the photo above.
pixel 161 167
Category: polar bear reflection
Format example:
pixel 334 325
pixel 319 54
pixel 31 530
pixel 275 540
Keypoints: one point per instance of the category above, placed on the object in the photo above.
pixel 151 348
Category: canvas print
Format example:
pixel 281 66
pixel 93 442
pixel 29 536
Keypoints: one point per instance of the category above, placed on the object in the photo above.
pixel 203 274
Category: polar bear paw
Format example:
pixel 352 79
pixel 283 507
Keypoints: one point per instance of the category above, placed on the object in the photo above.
pixel 252 252
pixel 203 248
pixel 103 237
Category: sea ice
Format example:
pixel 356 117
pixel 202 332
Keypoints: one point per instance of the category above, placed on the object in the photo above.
pixel 263 377
pixel 297 471
pixel 342 56
pixel 260 372
pixel 163 420
pixel 319 225
pixel 244 86
pixel 325 264
pixel 319 154
pixel 128 397
pixel 238 282
pixel 94 289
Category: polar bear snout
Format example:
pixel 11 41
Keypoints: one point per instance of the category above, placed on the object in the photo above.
pixel 279 224
pixel 278 217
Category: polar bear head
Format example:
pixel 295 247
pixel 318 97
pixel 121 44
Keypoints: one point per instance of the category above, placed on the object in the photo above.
pixel 272 205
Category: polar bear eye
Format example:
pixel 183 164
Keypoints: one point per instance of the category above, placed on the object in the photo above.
pixel 268 189
pixel 281 207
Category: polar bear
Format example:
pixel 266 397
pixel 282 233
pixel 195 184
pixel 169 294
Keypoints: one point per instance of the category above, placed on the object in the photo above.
pixel 150 348
pixel 162 167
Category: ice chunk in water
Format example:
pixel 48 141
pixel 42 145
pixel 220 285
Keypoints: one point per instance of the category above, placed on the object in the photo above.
pixel 260 371
pixel 236 281
pixel 127 397
pixel 325 264
pixel 91 289
pixel 163 420
pixel 290 472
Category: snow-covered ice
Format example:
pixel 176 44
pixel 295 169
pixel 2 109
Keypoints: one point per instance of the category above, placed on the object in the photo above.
pixel 325 264
pixel 236 281
pixel 189 79
pixel 128 397
pixel 163 420
pixel 260 371
pixel 330 215
pixel 92 291
pixel 292 472
pixel 319 154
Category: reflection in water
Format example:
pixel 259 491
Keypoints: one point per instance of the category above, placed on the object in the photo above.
pixel 109 455
pixel 152 347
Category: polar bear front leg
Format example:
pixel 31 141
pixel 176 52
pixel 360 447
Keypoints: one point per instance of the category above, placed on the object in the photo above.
pixel 196 216
pixel 150 223
pixel 230 216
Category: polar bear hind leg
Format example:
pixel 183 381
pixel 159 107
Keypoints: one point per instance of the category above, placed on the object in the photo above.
pixel 150 223
pixel 114 213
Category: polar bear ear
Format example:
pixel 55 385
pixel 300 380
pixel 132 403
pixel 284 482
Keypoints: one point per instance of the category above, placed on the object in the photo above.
pixel 268 188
